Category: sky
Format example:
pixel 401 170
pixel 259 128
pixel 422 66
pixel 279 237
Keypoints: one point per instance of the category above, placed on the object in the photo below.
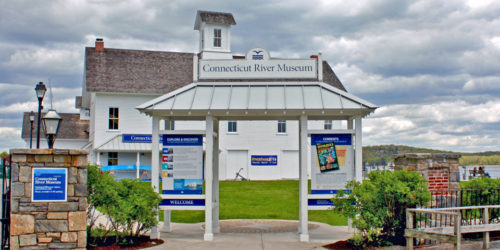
pixel 432 66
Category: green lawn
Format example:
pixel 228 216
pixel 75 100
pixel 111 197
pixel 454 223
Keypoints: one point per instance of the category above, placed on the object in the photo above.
pixel 259 200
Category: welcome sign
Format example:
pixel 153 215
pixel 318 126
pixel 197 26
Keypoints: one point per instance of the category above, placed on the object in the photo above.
pixel 258 65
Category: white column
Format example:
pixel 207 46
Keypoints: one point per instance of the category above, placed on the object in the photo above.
pixel 358 157
pixel 209 234
pixel 303 213
pixel 137 164
pixel 155 165
pixel 350 125
pixel 167 226
pixel 98 161
pixel 215 183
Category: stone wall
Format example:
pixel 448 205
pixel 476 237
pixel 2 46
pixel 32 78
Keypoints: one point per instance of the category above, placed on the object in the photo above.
pixel 42 225
pixel 441 170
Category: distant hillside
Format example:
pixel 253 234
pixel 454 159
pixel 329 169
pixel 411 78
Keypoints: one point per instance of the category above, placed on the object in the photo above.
pixel 384 154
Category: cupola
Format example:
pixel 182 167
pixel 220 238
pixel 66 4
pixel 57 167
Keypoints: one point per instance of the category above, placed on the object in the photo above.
pixel 215 34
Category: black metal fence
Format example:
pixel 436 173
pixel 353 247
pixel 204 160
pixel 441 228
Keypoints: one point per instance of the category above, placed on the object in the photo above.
pixel 5 206
pixel 460 198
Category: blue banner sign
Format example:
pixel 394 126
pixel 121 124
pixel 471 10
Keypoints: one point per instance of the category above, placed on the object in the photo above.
pixel 264 160
pixel 50 184
pixel 319 202
pixel 182 202
pixel 182 140
pixel 138 138
pixel 327 191
pixel 338 139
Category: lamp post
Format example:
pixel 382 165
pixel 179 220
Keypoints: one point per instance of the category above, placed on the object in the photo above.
pixel 32 119
pixel 51 122
pixel 40 93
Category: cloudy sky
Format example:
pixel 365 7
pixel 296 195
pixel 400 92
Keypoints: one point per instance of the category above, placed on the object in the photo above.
pixel 432 66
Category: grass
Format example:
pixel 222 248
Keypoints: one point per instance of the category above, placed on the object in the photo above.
pixel 259 200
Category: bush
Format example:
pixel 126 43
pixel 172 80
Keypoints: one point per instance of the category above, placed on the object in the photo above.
pixel 130 206
pixel 380 202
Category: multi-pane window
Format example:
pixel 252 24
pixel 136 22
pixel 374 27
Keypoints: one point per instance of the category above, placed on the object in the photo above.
pixel 171 124
pixel 113 118
pixel 217 38
pixel 232 127
pixel 328 124
pixel 112 158
pixel 281 126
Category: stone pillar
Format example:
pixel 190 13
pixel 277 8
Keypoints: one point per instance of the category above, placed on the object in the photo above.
pixel 441 170
pixel 42 225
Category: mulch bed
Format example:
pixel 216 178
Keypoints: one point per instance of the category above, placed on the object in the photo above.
pixel 107 243
pixel 339 245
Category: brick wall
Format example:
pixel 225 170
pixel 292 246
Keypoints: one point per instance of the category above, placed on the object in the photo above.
pixel 42 225
pixel 441 170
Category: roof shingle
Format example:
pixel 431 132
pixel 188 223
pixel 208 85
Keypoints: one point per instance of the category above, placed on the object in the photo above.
pixel 71 127
pixel 212 17
pixel 136 71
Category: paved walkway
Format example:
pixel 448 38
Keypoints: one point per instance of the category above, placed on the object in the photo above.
pixel 252 234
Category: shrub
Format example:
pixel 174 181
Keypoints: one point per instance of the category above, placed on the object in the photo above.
pixel 130 206
pixel 380 202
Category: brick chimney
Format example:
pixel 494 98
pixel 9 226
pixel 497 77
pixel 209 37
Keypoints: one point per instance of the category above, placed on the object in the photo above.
pixel 99 44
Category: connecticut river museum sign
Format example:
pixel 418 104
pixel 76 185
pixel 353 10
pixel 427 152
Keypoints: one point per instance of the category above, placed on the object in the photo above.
pixel 258 65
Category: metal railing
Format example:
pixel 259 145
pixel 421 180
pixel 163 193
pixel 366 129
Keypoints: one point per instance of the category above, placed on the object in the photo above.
pixel 424 223
pixel 441 213
pixel 466 198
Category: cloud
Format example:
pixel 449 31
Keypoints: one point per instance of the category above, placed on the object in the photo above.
pixel 10 138
pixel 432 66
pixel 458 125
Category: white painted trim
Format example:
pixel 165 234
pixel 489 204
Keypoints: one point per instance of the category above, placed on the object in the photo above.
pixel 168 208
pixel 319 207
pixel 182 132
pixel 320 196
pixel 183 196
pixel 331 131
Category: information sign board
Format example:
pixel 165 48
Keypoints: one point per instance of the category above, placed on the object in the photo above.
pixel 182 164
pixel 50 184
pixel 331 161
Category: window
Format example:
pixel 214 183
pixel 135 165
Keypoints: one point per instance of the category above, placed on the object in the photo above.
pixel 172 125
pixel 281 126
pixel 328 125
pixel 112 158
pixel 217 38
pixel 232 127
pixel 113 118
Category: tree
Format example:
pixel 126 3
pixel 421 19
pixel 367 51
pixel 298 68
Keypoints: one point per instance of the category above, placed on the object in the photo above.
pixel 379 203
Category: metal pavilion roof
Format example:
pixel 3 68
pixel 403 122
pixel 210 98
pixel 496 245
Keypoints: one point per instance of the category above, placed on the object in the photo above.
pixel 258 101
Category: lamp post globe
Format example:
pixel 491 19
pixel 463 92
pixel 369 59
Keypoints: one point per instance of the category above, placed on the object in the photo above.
pixel 51 122
pixel 32 119
pixel 40 90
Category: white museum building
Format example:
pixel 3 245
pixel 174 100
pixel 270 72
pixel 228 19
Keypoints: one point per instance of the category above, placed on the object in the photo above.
pixel 258 96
